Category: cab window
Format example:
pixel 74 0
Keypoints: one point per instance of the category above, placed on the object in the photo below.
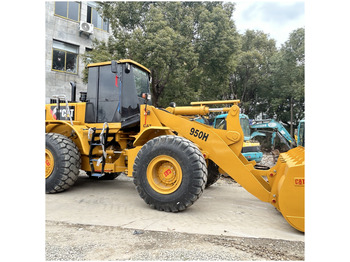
pixel 141 81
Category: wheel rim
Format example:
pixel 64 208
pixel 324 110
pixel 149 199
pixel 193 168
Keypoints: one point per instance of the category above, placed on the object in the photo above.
pixel 49 163
pixel 164 174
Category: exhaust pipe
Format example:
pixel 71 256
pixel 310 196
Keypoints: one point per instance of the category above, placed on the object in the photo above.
pixel 74 91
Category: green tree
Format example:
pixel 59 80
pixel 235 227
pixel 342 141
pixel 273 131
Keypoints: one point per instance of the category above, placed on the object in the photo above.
pixel 195 53
pixel 217 44
pixel 188 46
pixel 250 82
pixel 288 98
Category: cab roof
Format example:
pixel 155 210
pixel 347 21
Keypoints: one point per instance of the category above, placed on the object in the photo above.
pixel 122 61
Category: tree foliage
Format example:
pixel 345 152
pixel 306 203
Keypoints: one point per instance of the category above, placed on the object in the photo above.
pixel 190 47
pixel 287 96
pixel 251 78
pixel 195 53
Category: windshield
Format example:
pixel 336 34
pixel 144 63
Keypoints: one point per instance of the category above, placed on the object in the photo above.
pixel 245 126
pixel 141 81
pixel 220 123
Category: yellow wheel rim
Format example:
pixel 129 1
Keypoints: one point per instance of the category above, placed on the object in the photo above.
pixel 164 174
pixel 49 163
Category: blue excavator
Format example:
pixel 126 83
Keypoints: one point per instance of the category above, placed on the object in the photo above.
pixel 251 150
pixel 276 129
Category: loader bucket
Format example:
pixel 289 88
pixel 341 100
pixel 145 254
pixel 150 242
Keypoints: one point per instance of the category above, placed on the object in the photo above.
pixel 288 187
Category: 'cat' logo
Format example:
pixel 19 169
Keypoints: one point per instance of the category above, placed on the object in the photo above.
pixel 62 112
pixel 299 181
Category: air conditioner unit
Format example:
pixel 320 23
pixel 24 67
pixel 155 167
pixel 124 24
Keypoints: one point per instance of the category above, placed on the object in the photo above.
pixel 85 27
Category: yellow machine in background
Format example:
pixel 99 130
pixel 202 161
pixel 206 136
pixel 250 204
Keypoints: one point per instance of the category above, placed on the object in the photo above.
pixel 115 129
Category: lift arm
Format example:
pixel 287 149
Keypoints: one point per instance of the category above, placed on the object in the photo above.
pixel 284 187
pixel 221 146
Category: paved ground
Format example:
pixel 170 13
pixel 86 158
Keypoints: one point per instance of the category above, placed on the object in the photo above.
pixel 224 209
pixel 107 220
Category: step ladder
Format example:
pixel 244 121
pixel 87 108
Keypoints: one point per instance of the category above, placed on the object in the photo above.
pixel 97 138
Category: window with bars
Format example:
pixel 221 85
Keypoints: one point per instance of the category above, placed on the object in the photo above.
pixel 93 17
pixel 65 57
pixel 70 10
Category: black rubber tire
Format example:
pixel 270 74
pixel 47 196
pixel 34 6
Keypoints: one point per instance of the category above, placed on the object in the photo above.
pixel 213 173
pixel 67 163
pixel 193 166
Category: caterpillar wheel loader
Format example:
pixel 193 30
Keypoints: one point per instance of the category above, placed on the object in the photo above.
pixel 114 129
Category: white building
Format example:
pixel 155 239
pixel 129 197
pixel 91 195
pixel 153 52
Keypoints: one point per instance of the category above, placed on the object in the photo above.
pixel 71 28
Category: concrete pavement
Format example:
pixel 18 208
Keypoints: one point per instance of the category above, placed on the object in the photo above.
pixel 223 209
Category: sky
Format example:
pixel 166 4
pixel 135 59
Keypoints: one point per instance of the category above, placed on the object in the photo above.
pixel 276 18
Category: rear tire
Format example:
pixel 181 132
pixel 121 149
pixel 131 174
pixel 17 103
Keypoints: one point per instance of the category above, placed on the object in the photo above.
pixel 213 173
pixel 62 163
pixel 170 173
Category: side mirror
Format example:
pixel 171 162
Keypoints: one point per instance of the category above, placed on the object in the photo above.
pixel 146 96
pixel 127 68
pixel 83 97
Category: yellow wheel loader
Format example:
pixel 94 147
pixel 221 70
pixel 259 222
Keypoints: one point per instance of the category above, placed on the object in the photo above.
pixel 114 129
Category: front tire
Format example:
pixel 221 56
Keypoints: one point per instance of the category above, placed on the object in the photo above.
pixel 62 163
pixel 170 173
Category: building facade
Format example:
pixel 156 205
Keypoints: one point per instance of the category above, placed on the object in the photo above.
pixel 70 29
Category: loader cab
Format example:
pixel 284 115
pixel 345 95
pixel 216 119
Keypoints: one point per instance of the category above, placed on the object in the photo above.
pixel 114 92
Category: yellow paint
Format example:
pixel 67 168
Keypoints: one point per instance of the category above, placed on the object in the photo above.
pixel 49 163
pixel 122 61
pixel 164 174
pixel 250 143
pixel 220 102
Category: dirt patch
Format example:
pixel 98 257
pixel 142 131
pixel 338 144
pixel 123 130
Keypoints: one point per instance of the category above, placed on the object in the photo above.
pixel 74 242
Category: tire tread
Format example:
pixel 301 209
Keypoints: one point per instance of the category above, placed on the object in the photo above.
pixel 70 164
pixel 199 169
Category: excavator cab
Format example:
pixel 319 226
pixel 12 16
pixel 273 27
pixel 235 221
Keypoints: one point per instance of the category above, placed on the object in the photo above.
pixel 301 133
pixel 114 92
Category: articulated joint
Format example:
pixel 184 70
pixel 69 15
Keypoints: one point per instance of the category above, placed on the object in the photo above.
pixel 234 136
pixel 234 110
